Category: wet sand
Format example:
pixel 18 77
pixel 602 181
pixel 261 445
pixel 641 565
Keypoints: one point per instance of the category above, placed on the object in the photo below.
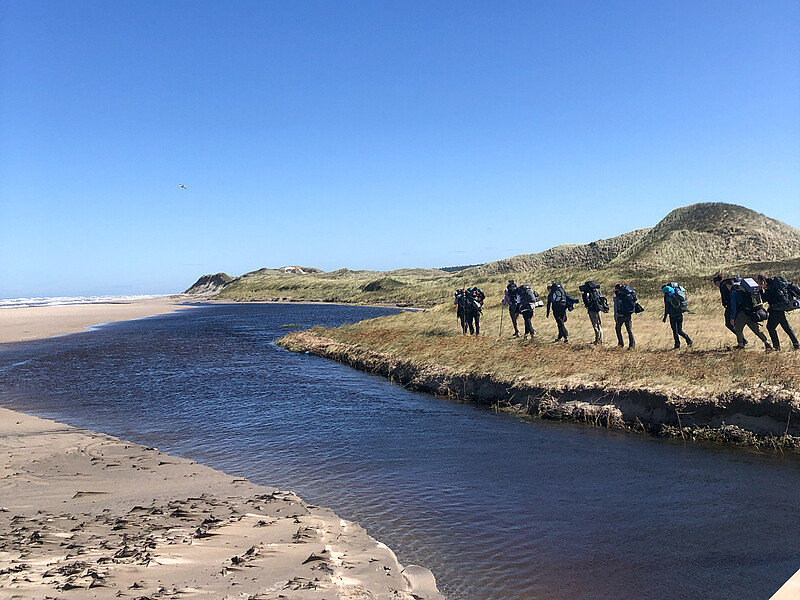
pixel 86 515
pixel 36 322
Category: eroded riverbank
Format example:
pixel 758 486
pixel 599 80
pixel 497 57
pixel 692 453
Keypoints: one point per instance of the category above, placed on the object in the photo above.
pixel 766 416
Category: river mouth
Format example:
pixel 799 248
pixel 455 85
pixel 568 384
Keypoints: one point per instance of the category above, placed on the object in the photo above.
pixel 496 507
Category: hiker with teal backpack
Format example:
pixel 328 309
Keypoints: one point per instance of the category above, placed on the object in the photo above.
pixel 747 309
pixel 675 304
pixel 782 296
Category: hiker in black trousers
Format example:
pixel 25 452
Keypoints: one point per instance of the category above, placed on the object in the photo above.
pixel 622 316
pixel 526 300
pixel 779 293
pixel 672 308
pixel 557 300
pixel 725 295
pixel 510 300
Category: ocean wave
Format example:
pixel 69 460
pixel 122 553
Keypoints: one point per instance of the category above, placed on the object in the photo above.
pixel 67 300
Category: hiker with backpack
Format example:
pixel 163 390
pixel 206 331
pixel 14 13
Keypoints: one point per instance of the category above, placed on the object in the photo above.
pixel 473 309
pixel 526 300
pixel 510 300
pixel 675 304
pixel 747 309
pixel 595 303
pixel 460 300
pixel 560 302
pixel 782 297
pixel 725 296
pixel 625 303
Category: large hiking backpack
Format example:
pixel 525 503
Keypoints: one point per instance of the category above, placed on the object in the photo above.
pixel 595 301
pixel 477 296
pixel 750 300
pixel 558 297
pixel 628 300
pixel 781 294
pixel 527 298
pixel 678 300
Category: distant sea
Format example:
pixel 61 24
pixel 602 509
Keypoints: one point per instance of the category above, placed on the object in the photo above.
pixel 65 300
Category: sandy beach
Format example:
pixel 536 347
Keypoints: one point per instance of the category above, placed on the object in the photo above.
pixel 36 322
pixel 86 515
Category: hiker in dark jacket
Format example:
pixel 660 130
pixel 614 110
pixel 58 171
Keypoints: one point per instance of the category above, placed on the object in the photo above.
pixel 510 300
pixel 781 295
pixel 624 307
pixel 725 295
pixel 558 301
pixel 595 303
pixel 526 301
pixel 674 307
pixel 741 317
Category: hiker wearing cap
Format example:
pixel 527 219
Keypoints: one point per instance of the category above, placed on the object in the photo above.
pixel 510 300
pixel 675 304
pixel 782 296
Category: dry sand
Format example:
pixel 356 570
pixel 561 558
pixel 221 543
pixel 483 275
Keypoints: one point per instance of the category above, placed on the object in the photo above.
pixel 36 322
pixel 86 515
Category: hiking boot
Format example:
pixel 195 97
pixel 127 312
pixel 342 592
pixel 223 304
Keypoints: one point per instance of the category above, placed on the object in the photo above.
pixel 768 348
pixel 516 334
pixel 676 347
pixel 689 343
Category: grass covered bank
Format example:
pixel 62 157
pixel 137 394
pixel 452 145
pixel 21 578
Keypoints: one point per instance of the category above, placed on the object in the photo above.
pixel 707 392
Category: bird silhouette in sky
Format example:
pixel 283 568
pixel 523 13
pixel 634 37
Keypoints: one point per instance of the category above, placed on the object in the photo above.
pixel 183 186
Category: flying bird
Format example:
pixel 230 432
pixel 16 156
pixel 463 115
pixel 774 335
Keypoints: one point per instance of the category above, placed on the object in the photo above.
pixel 183 186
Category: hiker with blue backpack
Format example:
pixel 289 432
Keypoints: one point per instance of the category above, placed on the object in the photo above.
pixel 560 302
pixel 782 296
pixel 625 305
pixel 675 304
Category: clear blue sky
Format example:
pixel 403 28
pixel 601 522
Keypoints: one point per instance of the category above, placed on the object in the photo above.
pixel 375 134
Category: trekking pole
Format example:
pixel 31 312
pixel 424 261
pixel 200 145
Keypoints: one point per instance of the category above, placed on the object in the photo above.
pixel 501 320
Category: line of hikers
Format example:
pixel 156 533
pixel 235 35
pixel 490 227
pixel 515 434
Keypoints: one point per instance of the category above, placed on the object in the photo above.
pixel 742 298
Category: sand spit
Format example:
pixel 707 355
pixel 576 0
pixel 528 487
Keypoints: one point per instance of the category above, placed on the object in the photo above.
pixel 766 416
pixel 85 515
pixel 37 322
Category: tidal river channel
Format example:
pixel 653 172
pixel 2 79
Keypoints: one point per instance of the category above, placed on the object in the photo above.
pixel 496 507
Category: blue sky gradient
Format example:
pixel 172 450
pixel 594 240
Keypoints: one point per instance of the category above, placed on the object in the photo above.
pixel 375 135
